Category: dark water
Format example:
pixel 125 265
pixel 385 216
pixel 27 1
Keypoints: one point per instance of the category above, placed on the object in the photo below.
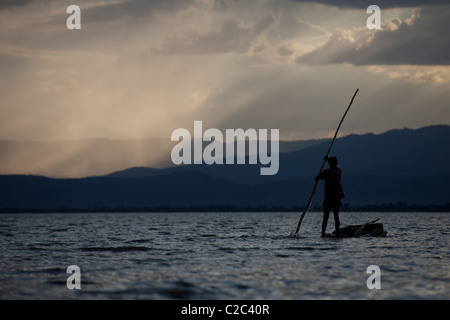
pixel 220 256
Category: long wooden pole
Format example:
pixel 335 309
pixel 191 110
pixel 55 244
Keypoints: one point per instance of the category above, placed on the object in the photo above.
pixel 323 164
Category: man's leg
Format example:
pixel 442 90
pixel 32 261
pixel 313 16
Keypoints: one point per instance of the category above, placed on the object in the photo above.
pixel 326 214
pixel 337 222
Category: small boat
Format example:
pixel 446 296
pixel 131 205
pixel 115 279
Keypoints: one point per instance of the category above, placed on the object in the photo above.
pixel 371 229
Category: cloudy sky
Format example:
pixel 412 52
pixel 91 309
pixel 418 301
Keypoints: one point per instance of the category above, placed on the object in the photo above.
pixel 141 69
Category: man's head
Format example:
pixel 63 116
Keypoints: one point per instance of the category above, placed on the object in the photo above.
pixel 333 161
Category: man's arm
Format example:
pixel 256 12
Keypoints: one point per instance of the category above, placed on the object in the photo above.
pixel 321 176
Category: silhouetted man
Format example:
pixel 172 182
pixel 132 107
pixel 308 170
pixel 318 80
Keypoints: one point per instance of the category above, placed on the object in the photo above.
pixel 333 193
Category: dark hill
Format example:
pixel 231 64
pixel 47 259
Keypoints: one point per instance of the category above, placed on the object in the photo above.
pixel 408 166
pixel 406 152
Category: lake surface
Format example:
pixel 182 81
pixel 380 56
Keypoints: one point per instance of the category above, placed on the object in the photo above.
pixel 221 256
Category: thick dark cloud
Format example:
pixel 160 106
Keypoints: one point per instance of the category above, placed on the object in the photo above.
pixel 4 4
pixel 420 40
pixel 381 3
pixel 108 11
pixel 134 9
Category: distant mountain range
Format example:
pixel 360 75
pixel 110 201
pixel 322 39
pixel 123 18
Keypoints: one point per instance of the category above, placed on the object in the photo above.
pixel 408 167
pixel 94 157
